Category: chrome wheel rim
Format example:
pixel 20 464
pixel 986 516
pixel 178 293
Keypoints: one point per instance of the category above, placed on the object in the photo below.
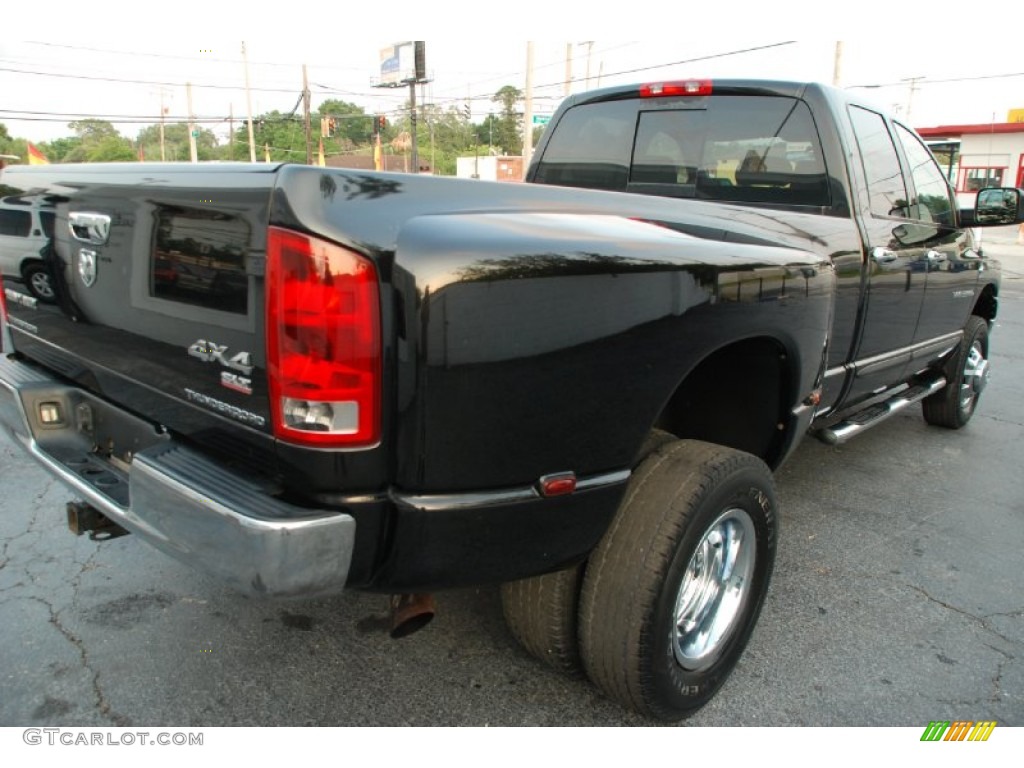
pixel 41 285
pixel 975 377
pixel 714 590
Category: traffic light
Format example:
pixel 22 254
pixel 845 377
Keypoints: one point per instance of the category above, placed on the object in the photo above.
pixel 332 125
pixel 382 123
pixel 467 111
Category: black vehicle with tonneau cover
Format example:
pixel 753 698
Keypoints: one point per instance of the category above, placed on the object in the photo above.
pixel 305 379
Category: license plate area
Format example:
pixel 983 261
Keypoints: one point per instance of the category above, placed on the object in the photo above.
pixel 91 438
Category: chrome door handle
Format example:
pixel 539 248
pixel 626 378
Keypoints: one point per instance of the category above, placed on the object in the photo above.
pixel 91 228
pixel 883 255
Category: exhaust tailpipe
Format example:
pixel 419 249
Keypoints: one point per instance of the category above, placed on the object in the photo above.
pixel 410 613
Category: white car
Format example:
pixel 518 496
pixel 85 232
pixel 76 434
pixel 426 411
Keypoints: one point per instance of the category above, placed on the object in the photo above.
pixel 24 230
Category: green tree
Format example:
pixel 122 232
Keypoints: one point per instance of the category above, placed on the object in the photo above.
pixel 12 145
pixel 353 127
pixel 111 149
pixel 58 150
pixel 176 143
pixel 442 136
pixel 508 133
pixel 99 142
pixel 282 133
pixel 91 130
pixel 487 130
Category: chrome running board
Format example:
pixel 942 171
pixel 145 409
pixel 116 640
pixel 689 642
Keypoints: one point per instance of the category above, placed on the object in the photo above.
pixel 879 412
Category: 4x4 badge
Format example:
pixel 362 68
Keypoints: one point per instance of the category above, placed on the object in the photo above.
pixel 87 267
pixel 209 351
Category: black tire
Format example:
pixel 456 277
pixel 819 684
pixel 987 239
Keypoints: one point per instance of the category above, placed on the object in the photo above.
pixel 680 498
pixel 541 612
pixel 39 281
pixel 966 375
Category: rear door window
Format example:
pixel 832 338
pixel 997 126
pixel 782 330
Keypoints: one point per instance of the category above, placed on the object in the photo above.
pixel 886 188
pixel 15 223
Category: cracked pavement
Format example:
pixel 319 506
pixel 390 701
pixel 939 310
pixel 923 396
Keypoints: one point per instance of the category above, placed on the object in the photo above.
pixel 898 598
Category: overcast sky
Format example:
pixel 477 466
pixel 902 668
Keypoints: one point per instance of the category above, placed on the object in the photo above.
pixel 126 65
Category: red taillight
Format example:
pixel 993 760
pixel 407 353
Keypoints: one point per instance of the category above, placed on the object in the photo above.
pixel 676 88
pixel 323 342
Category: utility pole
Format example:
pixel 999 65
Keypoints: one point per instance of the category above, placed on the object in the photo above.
pixel 305 116
pixel 191 125
pixel 231 131
pixel 430 125
pixel 248 104
pixel 163 111
pixel 837 69
pixel 910 97
pixel 528 109
pixel 590 50
pixel 412 124
pixel 568 68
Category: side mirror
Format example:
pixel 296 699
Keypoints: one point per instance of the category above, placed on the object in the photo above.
pixel 998 206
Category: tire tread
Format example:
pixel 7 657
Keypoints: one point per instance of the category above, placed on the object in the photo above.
pixel 621 586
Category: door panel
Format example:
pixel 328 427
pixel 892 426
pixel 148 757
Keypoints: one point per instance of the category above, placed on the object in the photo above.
pixel 895 260
pixel 952 265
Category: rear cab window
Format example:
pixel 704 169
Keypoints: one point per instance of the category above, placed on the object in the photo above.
pixel 757 149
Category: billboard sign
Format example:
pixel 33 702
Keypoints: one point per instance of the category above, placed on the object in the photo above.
pixel 397 64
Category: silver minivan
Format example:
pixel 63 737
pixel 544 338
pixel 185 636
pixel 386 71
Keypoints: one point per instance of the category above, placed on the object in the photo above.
pixel 24 231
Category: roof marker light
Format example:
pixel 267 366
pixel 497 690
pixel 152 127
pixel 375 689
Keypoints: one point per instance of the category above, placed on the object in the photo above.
pixel 676 88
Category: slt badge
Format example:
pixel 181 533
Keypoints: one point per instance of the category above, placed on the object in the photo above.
pixel 87 267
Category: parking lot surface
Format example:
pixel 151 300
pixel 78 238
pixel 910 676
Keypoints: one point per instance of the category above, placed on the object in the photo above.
pixel 898 598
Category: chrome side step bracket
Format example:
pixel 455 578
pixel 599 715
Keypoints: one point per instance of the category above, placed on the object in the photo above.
pixel 875 414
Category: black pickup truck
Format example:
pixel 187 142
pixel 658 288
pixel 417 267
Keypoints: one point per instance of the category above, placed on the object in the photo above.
pixel 304 379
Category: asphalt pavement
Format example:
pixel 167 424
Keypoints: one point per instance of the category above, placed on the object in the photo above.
pixel 898 598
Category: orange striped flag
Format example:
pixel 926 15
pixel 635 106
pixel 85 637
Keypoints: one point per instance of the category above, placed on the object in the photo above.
pixel 35 157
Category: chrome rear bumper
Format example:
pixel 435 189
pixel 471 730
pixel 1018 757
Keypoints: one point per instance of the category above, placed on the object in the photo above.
pixel 173 496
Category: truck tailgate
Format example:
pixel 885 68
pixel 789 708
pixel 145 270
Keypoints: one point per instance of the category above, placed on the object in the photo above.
pixel 158 275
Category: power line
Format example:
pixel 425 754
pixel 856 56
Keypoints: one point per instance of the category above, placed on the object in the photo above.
pixel 183 58
pixel 140 82
pixel 923 81
pixel 327 90
pixel 24 114
pixel 139 121
pixel 561 82
pixel 13 114
pixel 710 56
pixel 517 73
